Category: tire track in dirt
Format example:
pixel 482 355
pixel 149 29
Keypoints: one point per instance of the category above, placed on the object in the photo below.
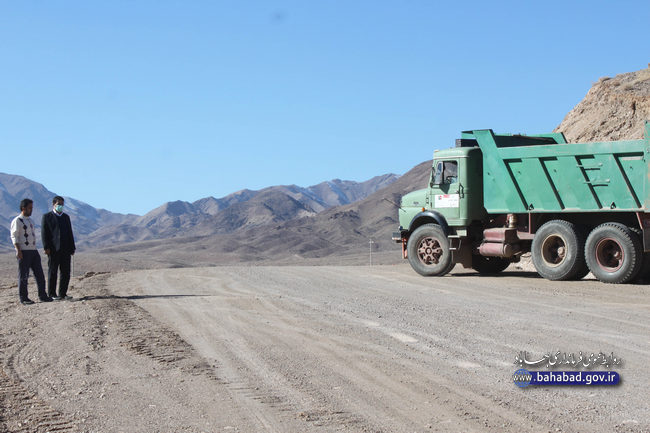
pixel 368 378
pixel 295 335
pixel 254 384
pixel 143 335
pixel 389 384
pixel 140 333
pixel 24 412
pixel 30 373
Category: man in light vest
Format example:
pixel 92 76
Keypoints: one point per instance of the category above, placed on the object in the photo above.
pixel 23 236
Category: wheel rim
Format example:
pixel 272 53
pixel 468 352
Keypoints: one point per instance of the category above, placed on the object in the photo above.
pixel 609 254
pixel 429 251
pixel 554 250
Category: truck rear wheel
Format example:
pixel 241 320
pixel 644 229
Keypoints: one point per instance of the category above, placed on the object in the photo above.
pixel 614 253
pixel 489 265
pixel 643 277
pixel 558 251
pixel 428 251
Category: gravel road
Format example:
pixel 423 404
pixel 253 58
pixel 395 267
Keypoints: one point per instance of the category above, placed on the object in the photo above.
pixel 319 349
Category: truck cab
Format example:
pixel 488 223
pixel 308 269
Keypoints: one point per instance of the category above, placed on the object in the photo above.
pixel 455 192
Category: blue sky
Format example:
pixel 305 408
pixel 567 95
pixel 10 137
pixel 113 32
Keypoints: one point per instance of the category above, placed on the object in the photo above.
pixel 129 104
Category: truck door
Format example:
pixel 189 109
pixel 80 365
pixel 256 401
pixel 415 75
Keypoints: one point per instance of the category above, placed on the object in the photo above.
pixel 445 188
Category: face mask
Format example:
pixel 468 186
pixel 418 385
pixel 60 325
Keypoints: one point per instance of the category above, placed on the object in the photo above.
pixel 58 208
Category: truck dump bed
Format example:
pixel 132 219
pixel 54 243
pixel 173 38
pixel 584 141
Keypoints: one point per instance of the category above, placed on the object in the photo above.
pixel 543 173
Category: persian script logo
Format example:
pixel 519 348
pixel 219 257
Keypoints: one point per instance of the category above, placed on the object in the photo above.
pixel 571 360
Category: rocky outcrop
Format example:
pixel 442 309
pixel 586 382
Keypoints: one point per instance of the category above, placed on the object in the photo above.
pixel 613 109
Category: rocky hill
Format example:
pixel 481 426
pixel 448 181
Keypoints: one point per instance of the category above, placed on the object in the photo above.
pixel 613 109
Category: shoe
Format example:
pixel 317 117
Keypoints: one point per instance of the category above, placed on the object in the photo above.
pixel 48 299
pixel 56 298
pixel 67 298
pixel 26 301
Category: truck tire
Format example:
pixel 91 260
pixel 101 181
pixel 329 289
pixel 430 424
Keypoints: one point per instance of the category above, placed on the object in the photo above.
pixel 428 251
pixel 558 251
pixel 489 265
pixel 643 277
pixel 614 253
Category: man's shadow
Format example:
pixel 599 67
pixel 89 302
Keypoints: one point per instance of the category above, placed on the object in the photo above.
pixel 135 297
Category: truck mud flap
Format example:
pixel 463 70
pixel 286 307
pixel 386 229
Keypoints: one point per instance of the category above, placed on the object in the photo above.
pixel 459 254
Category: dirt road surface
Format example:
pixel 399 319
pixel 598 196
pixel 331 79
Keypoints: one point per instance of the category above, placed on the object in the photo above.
pixel 317 349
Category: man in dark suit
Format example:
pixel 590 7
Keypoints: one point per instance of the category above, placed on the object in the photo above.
pixel 58 241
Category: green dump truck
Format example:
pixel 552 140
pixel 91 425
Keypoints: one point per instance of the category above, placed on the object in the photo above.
pixel 576 207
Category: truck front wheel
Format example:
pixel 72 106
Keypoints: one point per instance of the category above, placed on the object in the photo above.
pixel 558 251
pixel 614 253
pixel 428 251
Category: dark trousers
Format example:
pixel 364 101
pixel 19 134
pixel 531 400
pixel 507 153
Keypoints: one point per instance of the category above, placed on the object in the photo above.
pixel 31 260
pixel 58 260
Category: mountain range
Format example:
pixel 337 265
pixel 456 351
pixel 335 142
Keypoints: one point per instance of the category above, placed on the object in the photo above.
pixel 207 216
pixel 336 233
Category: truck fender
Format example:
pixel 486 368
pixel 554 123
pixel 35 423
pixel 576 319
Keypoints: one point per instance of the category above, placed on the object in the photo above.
pixel 425 217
